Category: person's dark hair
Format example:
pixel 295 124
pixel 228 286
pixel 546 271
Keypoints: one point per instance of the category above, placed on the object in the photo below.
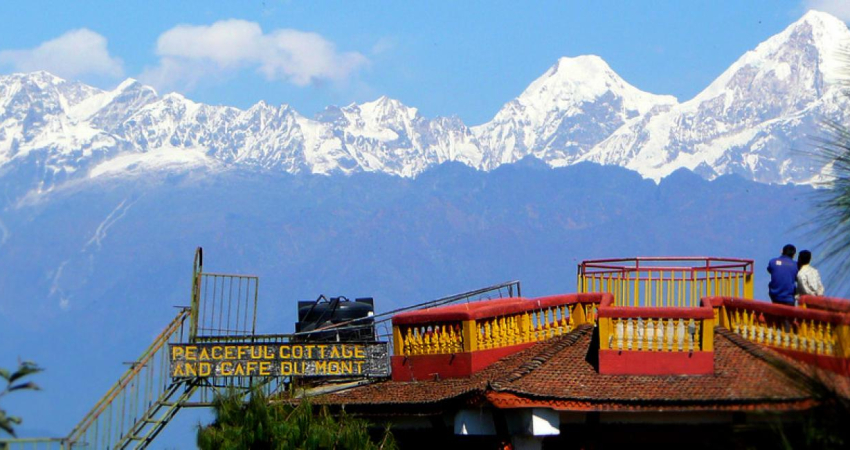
pixel 789 250
pixel 804 258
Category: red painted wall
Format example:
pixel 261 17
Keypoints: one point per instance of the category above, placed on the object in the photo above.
pixel 838 365
pixel 458 365
pixel 639 362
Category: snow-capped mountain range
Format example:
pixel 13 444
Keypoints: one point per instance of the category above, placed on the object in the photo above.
pixel 753 120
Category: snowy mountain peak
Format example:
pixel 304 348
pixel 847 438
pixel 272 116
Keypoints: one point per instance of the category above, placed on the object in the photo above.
pixel 752 120
pixel 756 119
pixel 578 69
pixel 791 67
pixel 830 36
pixel 385 107
pixel 574 105
pixel 40 77
pixel 821 20
pixel 131 84
pixel 382 113
pixel 584 79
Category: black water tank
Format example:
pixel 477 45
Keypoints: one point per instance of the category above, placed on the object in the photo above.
pixel 325 312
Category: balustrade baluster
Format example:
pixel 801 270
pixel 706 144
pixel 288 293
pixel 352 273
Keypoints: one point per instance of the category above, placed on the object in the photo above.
pixel 493 332
pixel 659 334
pixel 795 338
pixel 504 332
pixel 803 333
pixel 619 332
pixel 769 334
pixel 556 322
pixel 639 334
pixel 650 334
pixel 512 335
pixel 788 330
pixel 518 328
pixel 407 342
pixel 427 342
pixel 736 322
pixel 813 345
pixel 442 338
pixel 504 337
pixel 564 321
pixel 751 323
pixel 526 327
pixel 538 329
pixel 829 340
pixel 698 336
pixel 680 334
pixel 778 336
pixel 671 334
pixel 417 342
pixel 546 326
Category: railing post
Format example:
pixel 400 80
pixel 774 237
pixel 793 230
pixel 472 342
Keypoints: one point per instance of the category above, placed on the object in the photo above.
pixel 578 279
pixel 197 269
pixel 721 317
pixel 707 335
pixel 470 335
pixel 577 313
pixel 398 345
pixel 843 334
pixel 604 332
pixel 748 286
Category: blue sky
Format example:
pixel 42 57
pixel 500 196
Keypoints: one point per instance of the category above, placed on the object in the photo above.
pixel 445 58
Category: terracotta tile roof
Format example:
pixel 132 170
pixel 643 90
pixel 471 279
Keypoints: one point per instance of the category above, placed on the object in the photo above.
pixel 425 392
pixel 561 372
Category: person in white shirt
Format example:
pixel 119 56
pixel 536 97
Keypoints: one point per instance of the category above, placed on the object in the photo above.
pixel 808 278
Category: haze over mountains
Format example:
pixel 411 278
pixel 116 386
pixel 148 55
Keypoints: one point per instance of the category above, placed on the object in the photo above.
pixel 755 120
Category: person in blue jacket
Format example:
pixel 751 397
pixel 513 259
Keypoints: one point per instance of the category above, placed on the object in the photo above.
pixel 783 277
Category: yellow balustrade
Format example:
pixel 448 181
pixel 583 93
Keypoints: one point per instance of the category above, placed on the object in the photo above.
pixel 656 334
pixel 523 327
pixel 819 337
pixel 428 339
pixel 492 332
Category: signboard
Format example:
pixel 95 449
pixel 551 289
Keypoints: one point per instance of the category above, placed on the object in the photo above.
pixel 336 359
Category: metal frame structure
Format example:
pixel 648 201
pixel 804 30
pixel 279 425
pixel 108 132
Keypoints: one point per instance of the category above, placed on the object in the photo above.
pixel 223 308
pixel 666 280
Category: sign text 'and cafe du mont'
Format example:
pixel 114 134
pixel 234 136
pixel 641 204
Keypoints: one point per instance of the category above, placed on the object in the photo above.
pixel 291 359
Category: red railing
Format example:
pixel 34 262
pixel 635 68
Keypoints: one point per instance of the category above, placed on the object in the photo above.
pixel 825 303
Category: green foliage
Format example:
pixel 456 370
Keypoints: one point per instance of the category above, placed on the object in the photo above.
pixel 261 424
pixel 826 425
pixel 833 201
pixel 15 382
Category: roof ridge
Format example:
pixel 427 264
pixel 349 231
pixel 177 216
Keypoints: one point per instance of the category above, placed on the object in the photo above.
pixel 559 344
pixel 788 367
pixel 759 351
